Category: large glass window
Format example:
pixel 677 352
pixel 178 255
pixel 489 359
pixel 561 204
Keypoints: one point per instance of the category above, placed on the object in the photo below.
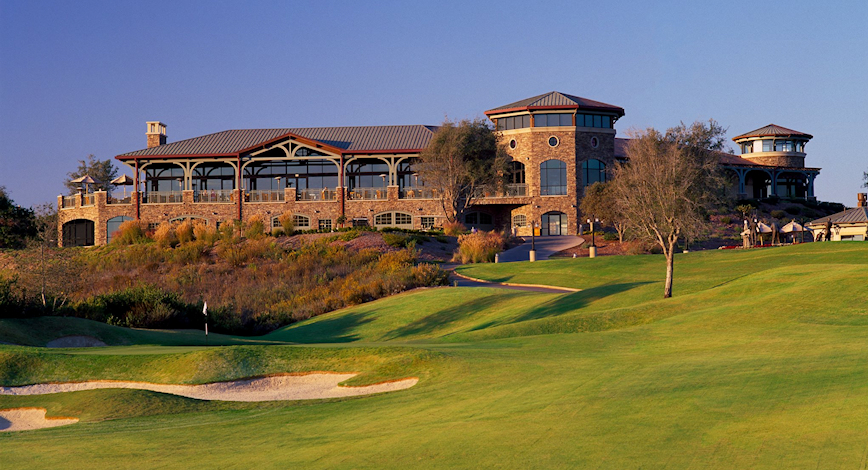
pixel 593 171
pixel 367 173
pixel 407 175
pixel 553 178
pixel 594 120
pixel 300 174
pixel 784 146
pixel 516 172
pixel 768 145
pixel 213 176
pixel 553 120
pixel 164 177
pixel 513 122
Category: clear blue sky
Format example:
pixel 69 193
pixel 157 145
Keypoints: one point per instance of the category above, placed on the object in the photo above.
pixel 83 77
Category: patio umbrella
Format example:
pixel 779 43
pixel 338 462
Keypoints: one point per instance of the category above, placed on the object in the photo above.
pixel 85 180
pixel 124 181
pixel 762 228
pixel 794 227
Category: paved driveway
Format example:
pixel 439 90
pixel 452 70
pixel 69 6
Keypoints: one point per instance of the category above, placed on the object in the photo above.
pixel 545 247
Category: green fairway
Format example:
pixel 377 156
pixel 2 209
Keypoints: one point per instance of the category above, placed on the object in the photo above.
pixel 760 360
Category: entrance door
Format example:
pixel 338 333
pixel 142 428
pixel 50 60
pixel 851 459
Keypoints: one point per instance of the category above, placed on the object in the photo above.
pixel 554 223
pixel 78 232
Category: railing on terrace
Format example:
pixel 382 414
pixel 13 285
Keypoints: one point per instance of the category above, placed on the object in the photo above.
pixel 419 193
pixel 509 190
pixel 265 195
pixel 315 194
pixel 219 196
pixel 367 194
pixel 88 200
pixel 162 197
pixel 69 201
pixel 123 199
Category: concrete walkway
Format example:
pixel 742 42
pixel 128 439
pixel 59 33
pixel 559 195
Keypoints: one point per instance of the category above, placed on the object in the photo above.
pixel 464 281
pixel 545 247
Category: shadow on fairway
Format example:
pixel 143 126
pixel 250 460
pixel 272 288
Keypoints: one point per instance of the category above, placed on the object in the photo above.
pixel 447 317
pixel 337 329
pixel 577 300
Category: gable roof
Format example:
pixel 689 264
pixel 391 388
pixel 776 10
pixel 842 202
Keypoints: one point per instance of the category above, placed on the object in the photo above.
pixel 856 215
pixel 358 139
pixel 555 100
pixel 773 130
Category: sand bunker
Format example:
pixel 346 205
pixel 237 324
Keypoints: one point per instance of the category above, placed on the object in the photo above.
pixel 281 387
pixel 28 419
pixel 75 342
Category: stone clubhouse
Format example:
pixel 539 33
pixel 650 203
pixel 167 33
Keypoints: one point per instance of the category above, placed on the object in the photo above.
pixel 365 175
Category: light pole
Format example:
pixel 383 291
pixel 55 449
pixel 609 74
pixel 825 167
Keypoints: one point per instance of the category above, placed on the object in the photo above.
pixel 592 250
pixel 533 227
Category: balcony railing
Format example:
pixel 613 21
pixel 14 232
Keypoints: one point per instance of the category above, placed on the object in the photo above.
pixel 215 196
pixel 265 195
pixel 315 194
pixel 509 190
pixel 123 199
pixel 419 193
pixel 367 194
pixel 68 201
pixel 162 197
pixel 88 200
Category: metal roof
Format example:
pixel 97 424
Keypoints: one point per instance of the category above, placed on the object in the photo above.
pixel 856 215
pixel 725 158
pixel 346 139
pixel 553 100
pixel 773 130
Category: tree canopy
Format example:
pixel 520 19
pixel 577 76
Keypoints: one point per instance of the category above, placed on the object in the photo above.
pixel 17 224
pixel 461 158
pixel 669 182
pixel 599 201
pixel 101 170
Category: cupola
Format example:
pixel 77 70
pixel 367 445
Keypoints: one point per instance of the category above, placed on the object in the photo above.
pixel 774 145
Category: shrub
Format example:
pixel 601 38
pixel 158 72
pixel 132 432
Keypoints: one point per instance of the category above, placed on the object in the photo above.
pixel 397 240
pixel 479 247
pixel 184 232
pixel 286 222
pixel 610 236
pixel 165 235
pixel 427 274
pixel 255 227
pixel 778 214
pixel 276 232
pixel 453 229
pixel 129 232
pixel 794 210
pixel 726 220
pixel 204 232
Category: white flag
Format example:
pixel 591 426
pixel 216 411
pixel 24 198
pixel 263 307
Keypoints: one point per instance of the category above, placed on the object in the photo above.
pixel 205 309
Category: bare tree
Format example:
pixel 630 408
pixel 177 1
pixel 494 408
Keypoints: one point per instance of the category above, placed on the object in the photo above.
pixel 668 184
pixel 599 201
pixel 101 170
pixel 462 158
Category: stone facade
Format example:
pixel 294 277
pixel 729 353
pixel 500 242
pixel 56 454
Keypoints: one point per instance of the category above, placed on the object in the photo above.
pixel 777 159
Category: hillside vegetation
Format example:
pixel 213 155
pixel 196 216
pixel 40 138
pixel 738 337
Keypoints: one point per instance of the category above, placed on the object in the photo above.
pixel 251 285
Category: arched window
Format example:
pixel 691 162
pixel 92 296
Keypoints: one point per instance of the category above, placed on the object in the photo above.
pixel 393 219
pixel 553 178
pixel 276 175
pixel 301 222
pixel 519 220
pixel 593 171
pixel 163 177
pixel 516 172
pixel 112 225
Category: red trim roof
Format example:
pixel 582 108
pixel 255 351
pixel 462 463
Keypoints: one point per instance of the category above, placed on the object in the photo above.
pixel 772 130
pixel 555 100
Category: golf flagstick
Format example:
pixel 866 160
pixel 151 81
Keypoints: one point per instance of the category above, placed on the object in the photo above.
pixel 205 311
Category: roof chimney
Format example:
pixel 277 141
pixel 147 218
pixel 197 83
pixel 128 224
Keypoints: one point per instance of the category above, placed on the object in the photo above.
pixel 156 134
pixel 862 200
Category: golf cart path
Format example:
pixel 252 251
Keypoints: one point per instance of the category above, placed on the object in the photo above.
pixel 545 247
